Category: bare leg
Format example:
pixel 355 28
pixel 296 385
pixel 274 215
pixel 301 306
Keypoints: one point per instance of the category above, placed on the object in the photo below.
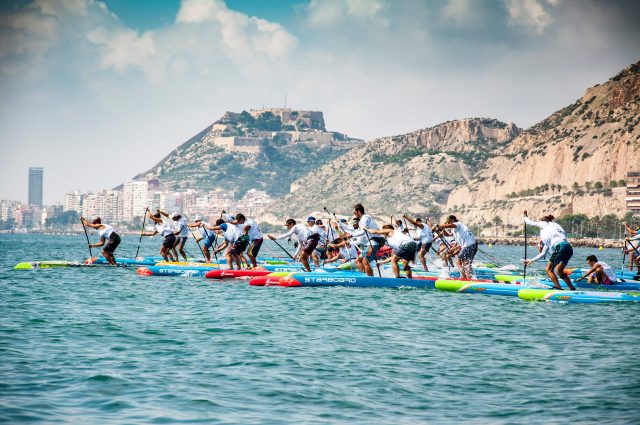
pixel 304 258
pixel 564 276
pixel 367 267
pixel 552 276
pixel 394 264
pixel 407 269
pixel 423 260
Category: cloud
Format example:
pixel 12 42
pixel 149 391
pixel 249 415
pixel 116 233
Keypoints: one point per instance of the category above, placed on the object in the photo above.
pixel 324 13
pixel 73 76
pixel 530 14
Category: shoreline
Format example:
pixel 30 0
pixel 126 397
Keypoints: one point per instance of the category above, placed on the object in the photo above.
pixel 495 240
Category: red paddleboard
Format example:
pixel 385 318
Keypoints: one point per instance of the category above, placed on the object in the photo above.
pixel 233 274
pixel 265 280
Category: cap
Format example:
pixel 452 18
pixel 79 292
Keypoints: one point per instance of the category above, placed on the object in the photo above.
pixel 311 218
pixel 197 218
pixel 343 220
pixel 175 214
pixel 318 221
pixel 223 226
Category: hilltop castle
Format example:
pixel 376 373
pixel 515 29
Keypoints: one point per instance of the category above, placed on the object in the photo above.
pixel 254 130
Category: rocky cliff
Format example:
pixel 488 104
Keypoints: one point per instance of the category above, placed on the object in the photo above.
pixel 564 164
pixel 414 172
pixel 201 163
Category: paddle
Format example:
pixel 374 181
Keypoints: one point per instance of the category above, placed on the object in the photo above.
pixel 141 231
pixel 198 242
pixel 282 248
pixel 87 236
pixel 375 257
pixel 446 244
pixel 524 276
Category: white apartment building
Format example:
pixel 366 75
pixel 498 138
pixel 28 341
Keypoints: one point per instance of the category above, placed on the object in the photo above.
pixel 73 201
pixel 134 199
pixel 104 204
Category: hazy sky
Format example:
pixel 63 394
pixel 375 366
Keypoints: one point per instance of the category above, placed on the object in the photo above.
pixel 96 92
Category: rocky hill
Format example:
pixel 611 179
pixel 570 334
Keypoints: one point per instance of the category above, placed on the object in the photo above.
pixel 413 172
pixel 261 149
pixel 570 162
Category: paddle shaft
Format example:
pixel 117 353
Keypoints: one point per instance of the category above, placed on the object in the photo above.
pixel 442 238
pixel 87 236
pixel 282 248
pixel 198 242
pixel 141 231
pixel 524 275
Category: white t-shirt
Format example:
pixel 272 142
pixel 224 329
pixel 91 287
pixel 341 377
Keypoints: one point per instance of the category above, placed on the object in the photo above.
pixel 105 231
pixel 463 235
pixel 301 232
pixel 609 271
pixel 181 225
pixel 321 232
pixel 254 231
pixel 551 233
pixel 232 233
pixel 164 229
pixel 349 253
pixel 205 233
pixel 365 221
pixel 398 239
pixel 425 235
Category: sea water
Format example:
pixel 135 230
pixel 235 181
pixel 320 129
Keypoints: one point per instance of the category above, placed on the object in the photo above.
pixel 105 345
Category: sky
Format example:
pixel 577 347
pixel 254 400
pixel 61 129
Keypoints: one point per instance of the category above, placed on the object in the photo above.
pixel 99 91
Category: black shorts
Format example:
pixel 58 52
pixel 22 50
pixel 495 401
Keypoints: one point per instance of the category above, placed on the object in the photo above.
pixel 239 245
pixel 112 243
pixel 169 241
pixel 425 246
pixel 254 247
pixel 407 251
pixel 468 253
pixel 309 245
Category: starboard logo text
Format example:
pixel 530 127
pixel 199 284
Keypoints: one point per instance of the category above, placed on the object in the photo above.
pixel 330 280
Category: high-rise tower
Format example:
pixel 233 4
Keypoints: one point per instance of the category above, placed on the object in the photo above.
pixel 35 186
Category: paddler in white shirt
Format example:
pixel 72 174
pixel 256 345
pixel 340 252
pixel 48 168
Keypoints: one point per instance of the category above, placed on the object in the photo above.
pixel 466 247
pixel 403 246
pixel 181 232
pixel 555 240
pixel 599 273
pixel 306 238
pixel 209 237
pixel 373 243
pixel 164 230
pixel 108 237
pixel 234 240
pixel 425 239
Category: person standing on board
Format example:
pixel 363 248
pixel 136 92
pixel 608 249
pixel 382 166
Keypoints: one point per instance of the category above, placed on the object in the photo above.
pixel 208 237
pixel 555 240
pixel 108 237
pixel 373 243
pixel 425 238
pixel 403 246
pixel 632 246
pixel 600 273
pixel 465 248
pixel 255 236
pixel 234 241
pixel 343 251
pixel 181 232
pixel 164 230
pixel 307 239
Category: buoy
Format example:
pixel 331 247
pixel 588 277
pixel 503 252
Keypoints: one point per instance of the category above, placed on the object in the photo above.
pixel 490 245
pixel 600 248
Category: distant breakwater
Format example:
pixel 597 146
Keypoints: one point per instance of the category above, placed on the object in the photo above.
pixel 533 241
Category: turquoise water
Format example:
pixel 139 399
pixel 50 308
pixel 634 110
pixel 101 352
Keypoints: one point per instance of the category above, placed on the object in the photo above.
pixel 104 345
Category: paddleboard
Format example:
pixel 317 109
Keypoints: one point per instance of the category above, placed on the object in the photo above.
pixel 588 297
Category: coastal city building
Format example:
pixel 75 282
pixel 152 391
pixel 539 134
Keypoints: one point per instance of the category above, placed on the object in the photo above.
pixel 633 192
pixel 35 186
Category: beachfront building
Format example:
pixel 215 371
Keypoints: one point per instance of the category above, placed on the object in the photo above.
pixel 633 192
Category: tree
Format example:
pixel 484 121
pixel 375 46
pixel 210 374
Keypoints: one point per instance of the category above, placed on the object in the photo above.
pixel 587 185
pixel 575 186
pixel 63 220
pixel 598 185
pixel 497 221
pixel 622 183
pixel 613 183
